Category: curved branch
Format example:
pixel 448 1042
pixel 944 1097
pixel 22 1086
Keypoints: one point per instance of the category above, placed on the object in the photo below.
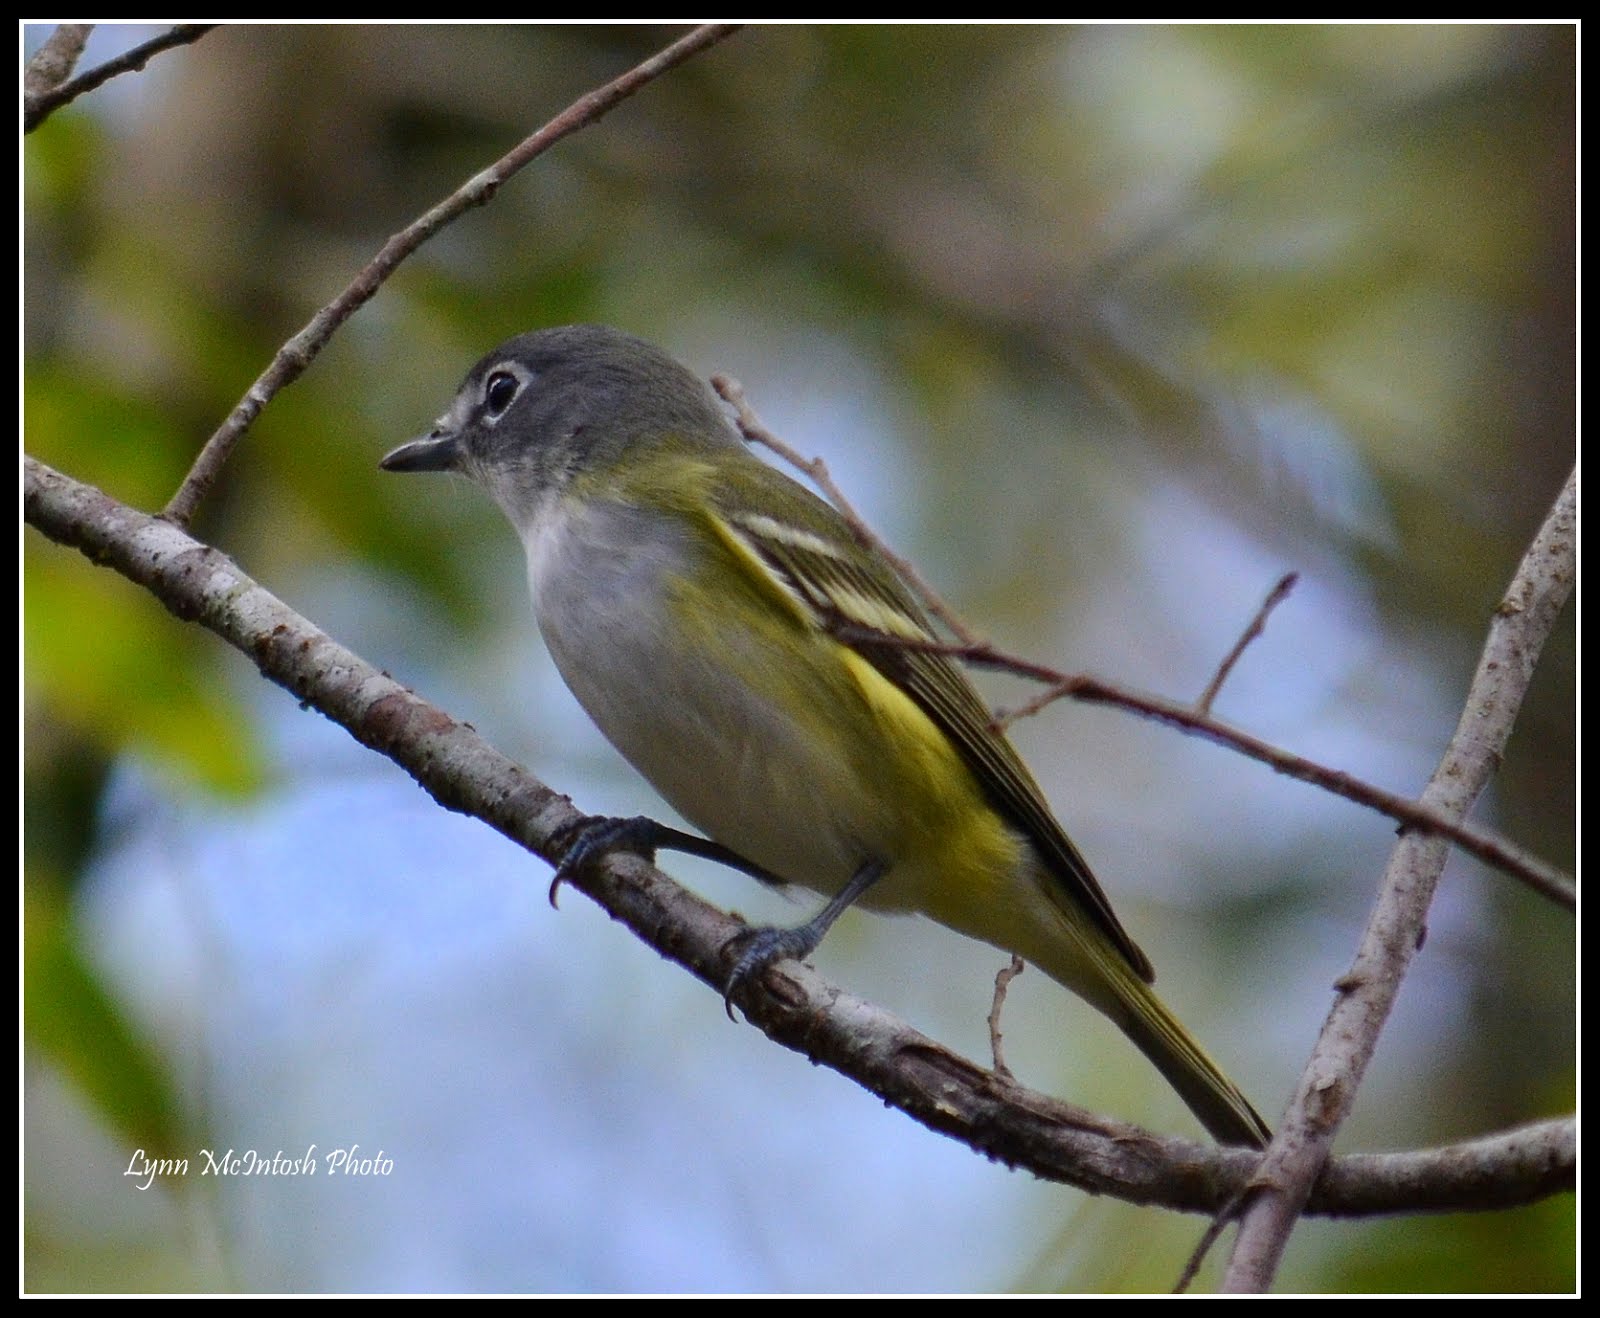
pixel 301 350
pixel 795 1006
pixel 53 62
pixel 39 106
pixel 1420 815
pixel 1367 991
pixel 1196 719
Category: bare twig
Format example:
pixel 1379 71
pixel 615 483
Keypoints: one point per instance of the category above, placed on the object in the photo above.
pixel 794 1005
pixel 53 62
pixel 1208 1238
pixel 1196 720
pixel 299 352
pixel 1002 982
pixel 1366 993
pixel 36 108
pixel 1489 847
pixel 1275 597
pixel 751 427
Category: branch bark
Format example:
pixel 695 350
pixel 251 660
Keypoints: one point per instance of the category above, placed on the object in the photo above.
pixel 793 1004
pixel 1421 816
pixel 1366 993
pixel 53 62
pixel 39 103
pixel 1195 719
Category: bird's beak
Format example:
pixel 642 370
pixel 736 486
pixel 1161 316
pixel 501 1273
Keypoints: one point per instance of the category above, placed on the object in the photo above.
pixel 439 451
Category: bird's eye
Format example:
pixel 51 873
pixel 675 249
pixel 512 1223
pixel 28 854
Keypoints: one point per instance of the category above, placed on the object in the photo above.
pixel 498 391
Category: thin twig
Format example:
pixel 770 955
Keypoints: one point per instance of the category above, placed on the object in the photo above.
pixel 1208 1238
pixel 1500 853
pixel 1489 847
pixel 800 1009
pixel 1367 991
pixel 299 352
pixel 751 427
pixel 37 108
pixel 53 62
pixel 1002 982
pixel 1258 624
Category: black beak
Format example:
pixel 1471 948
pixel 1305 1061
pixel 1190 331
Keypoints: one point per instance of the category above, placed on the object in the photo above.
pixel 436 452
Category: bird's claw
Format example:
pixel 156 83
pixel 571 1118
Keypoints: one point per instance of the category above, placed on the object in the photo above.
pixel 593 836
pixel 756 949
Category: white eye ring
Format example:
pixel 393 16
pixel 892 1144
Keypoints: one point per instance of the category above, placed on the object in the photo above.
pixel 499 392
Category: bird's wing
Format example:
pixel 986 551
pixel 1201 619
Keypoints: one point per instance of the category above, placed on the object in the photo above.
pixel 854 596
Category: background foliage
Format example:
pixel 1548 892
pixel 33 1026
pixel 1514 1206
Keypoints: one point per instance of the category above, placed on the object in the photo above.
pixel 1104 326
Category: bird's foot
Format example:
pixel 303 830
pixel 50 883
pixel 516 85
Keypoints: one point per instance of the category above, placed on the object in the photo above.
pixel 595 836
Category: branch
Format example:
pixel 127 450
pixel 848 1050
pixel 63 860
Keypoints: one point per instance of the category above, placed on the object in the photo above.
pixel 1002 983
pixel 1501 1167
pixel 301 350
pixel 53 62
pixel 1421 816
pixel 1367 991
pixel 794 1005
pixel 39 106
pixel 1258 624
pixel 1490 847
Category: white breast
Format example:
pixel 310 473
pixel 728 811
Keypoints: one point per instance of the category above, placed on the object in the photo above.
pixel 722 752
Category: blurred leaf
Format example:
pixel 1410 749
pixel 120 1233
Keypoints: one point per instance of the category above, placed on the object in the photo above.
pixel 1529 1250
pixel 124 444
pixel 70 1019
pixel 106 660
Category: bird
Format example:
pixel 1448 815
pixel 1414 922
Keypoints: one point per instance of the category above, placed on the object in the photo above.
pixel 770 674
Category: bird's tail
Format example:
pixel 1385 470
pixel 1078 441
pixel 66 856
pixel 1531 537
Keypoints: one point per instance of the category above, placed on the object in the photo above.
pixel 1117 990
pixel 1212 1097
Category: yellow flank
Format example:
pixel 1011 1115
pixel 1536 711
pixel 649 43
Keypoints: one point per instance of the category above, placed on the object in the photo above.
pixel 953 855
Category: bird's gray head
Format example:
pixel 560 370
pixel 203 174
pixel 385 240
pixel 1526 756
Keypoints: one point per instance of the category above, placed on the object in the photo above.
pixel 545 405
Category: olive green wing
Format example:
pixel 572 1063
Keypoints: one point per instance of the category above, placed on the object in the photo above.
pixel 814 559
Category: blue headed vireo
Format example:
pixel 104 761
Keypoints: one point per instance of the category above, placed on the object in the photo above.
pixel 717 621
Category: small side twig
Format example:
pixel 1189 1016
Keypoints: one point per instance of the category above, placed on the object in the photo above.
pixel 1002 982
pixel 1492 849
pixel 1258 624
pixel 37 107
pixel 53 62
pixel 1209 1237
pixel 1496 851
pixel 299 352
pixel 751 427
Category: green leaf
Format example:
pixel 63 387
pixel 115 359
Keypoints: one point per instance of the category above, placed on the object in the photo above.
pixel 72 1021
